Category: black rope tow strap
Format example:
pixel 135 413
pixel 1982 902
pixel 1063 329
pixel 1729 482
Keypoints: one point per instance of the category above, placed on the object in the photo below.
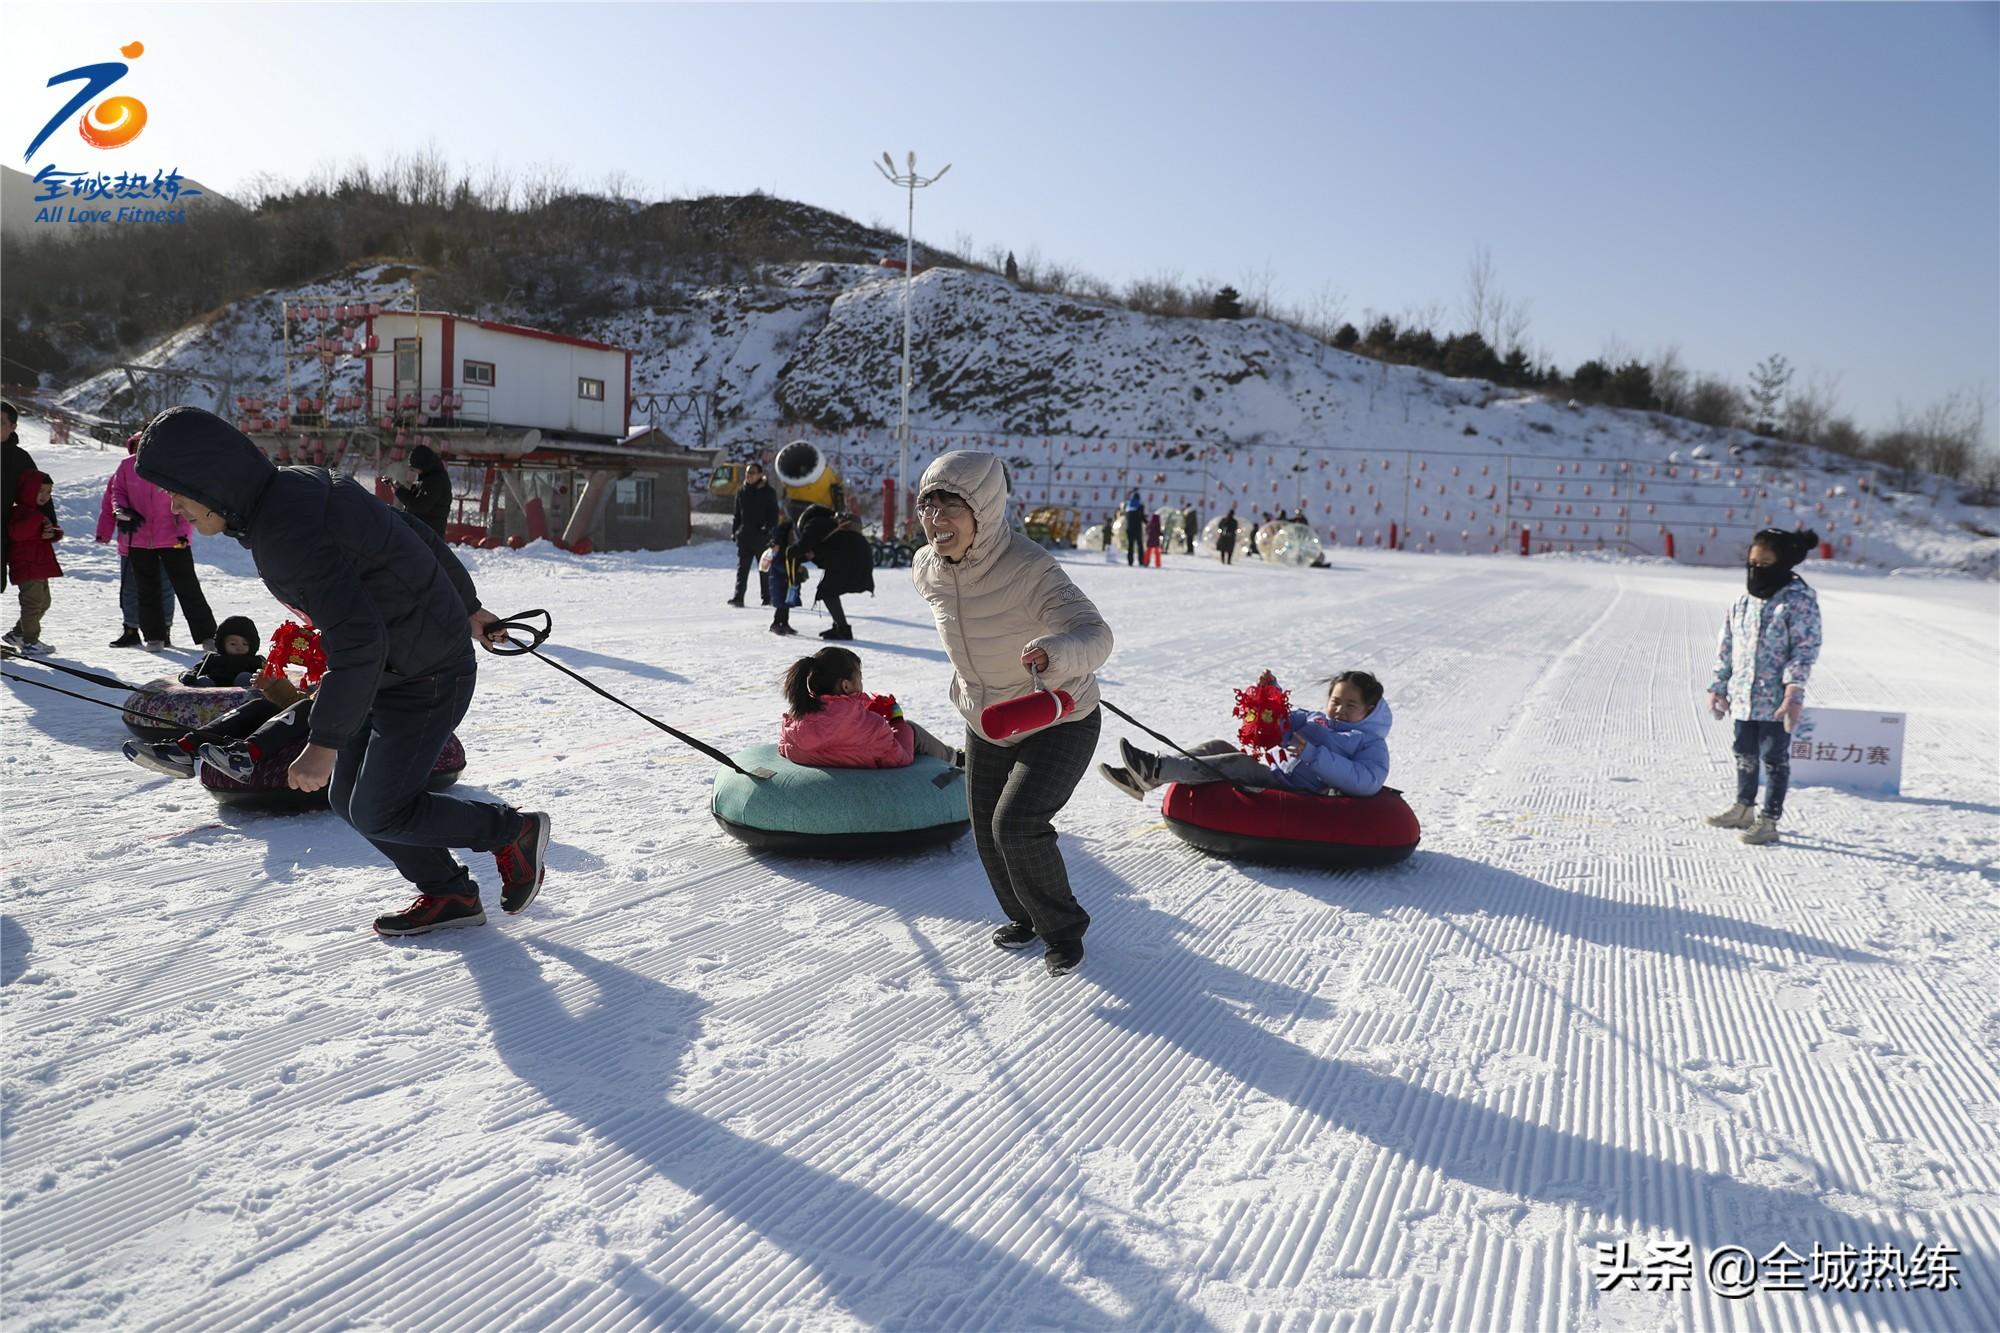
pixel 538 634
pixel 1166 739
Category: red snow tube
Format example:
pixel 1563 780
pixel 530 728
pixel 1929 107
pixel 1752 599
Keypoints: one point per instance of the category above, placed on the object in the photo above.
pixel 268 790
pixel 1279 827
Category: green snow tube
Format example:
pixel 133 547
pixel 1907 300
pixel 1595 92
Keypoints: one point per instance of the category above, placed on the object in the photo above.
pixel 840 813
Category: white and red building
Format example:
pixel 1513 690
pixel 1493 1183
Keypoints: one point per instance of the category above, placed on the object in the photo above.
pixel 452 369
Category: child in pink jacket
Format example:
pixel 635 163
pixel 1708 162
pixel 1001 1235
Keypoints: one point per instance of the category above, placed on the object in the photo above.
pixel 834 723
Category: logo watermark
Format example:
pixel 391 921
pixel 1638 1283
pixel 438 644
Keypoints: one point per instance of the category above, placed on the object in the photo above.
pixel 111 123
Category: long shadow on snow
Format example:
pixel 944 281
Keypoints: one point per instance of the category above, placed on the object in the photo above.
pixel 571 655
pixel 1908 862
pixel 1442 884
pixel 610 1063
pixel 1472 1143
pixel 14 945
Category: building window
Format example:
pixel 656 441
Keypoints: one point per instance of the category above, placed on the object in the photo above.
pixel 591 389
pixel 478 372
pixel 632 497
pixel 407 367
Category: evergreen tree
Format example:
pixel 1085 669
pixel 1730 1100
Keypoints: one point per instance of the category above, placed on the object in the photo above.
pixel 1345 337
pixel 1381 336
pixel 1466 355
pixel 1517 369
pixel 1767 389
pixel 1631 386
pixel 1228 304
pixel 1590 379
pixel 1013 269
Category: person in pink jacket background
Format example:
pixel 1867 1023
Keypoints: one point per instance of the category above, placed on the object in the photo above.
pixel 112 517
pixel 833 723
pixel 152 540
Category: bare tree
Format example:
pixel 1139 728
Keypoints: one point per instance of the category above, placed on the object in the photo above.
pixel 1671 383
pixel 1482 292
pixel 1808 409
pixel 1714 402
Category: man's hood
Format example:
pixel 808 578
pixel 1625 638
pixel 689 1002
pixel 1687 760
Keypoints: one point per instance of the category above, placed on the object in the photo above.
pixel 981 481
pixel 197 454
pixel 424 459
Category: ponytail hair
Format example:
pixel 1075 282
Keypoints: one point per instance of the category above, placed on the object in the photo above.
pixel 810 677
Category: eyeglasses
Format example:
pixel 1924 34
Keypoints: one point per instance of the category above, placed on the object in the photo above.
pixel 940 508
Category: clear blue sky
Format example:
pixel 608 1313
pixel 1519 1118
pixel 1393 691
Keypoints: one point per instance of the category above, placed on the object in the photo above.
pixel 1813 179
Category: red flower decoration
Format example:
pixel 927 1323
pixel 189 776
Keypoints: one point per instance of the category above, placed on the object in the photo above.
pixel 1265 709
pixel 296 645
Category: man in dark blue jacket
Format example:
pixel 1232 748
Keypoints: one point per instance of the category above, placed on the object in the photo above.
pixel 756 514
pixel 393 607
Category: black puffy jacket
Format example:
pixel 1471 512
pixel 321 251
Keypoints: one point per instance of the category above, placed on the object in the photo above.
pixel 389 598
pixel 843 552
pixel 430 499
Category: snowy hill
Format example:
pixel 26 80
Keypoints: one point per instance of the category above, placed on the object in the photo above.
pixel 1091 400
pixel 1577 1033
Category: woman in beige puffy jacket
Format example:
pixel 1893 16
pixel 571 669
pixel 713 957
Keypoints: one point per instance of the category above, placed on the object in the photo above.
pixel 1003 605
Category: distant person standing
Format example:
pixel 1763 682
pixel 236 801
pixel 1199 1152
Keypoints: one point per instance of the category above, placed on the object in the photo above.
pixel 755 515
pixel 1135 528
pixel 429 497
pixel 1190 525
pixel 1153 528
pixel 160 546
pixel 115 514
pixel 17 463
pixel 1225 537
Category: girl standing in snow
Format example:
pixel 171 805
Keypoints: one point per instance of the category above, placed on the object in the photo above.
pixel 1004 607
pixel 1770 640
pixel 833 723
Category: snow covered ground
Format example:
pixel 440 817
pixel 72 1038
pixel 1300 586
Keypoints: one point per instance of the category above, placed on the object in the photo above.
pixel 690 1088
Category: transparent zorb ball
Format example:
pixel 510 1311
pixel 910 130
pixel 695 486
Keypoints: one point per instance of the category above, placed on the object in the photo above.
pixel 1289 543
pixel 1091 538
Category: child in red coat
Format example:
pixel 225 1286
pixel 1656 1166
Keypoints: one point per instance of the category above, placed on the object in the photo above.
pixel 31 560
pixel 834 723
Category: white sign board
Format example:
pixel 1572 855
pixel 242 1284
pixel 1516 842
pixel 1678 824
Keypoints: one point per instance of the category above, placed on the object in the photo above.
pixel 1851 748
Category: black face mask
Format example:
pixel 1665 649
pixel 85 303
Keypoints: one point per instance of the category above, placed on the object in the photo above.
pixel 1764 580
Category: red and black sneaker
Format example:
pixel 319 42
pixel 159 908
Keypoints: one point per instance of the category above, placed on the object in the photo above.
pixel 521 862
pixel 432 911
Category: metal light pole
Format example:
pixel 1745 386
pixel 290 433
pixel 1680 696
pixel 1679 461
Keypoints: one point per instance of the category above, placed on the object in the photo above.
pixel 912 182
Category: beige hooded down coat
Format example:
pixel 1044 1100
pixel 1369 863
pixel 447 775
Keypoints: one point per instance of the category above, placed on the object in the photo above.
pixel 1004 595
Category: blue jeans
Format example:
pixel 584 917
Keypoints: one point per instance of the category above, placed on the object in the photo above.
pixel 1770 743
pixel 128 596
pixel 381 783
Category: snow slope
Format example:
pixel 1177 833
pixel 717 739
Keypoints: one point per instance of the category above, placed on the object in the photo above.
pixel 1092 400
pixel 693 1089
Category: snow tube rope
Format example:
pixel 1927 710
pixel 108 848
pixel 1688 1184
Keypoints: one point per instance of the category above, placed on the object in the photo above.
pixel 539 635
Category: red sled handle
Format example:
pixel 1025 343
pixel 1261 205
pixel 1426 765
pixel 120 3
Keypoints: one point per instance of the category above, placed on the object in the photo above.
pixel 1039 708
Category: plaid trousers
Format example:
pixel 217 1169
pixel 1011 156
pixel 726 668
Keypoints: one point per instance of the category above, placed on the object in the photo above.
pixel 1014 792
